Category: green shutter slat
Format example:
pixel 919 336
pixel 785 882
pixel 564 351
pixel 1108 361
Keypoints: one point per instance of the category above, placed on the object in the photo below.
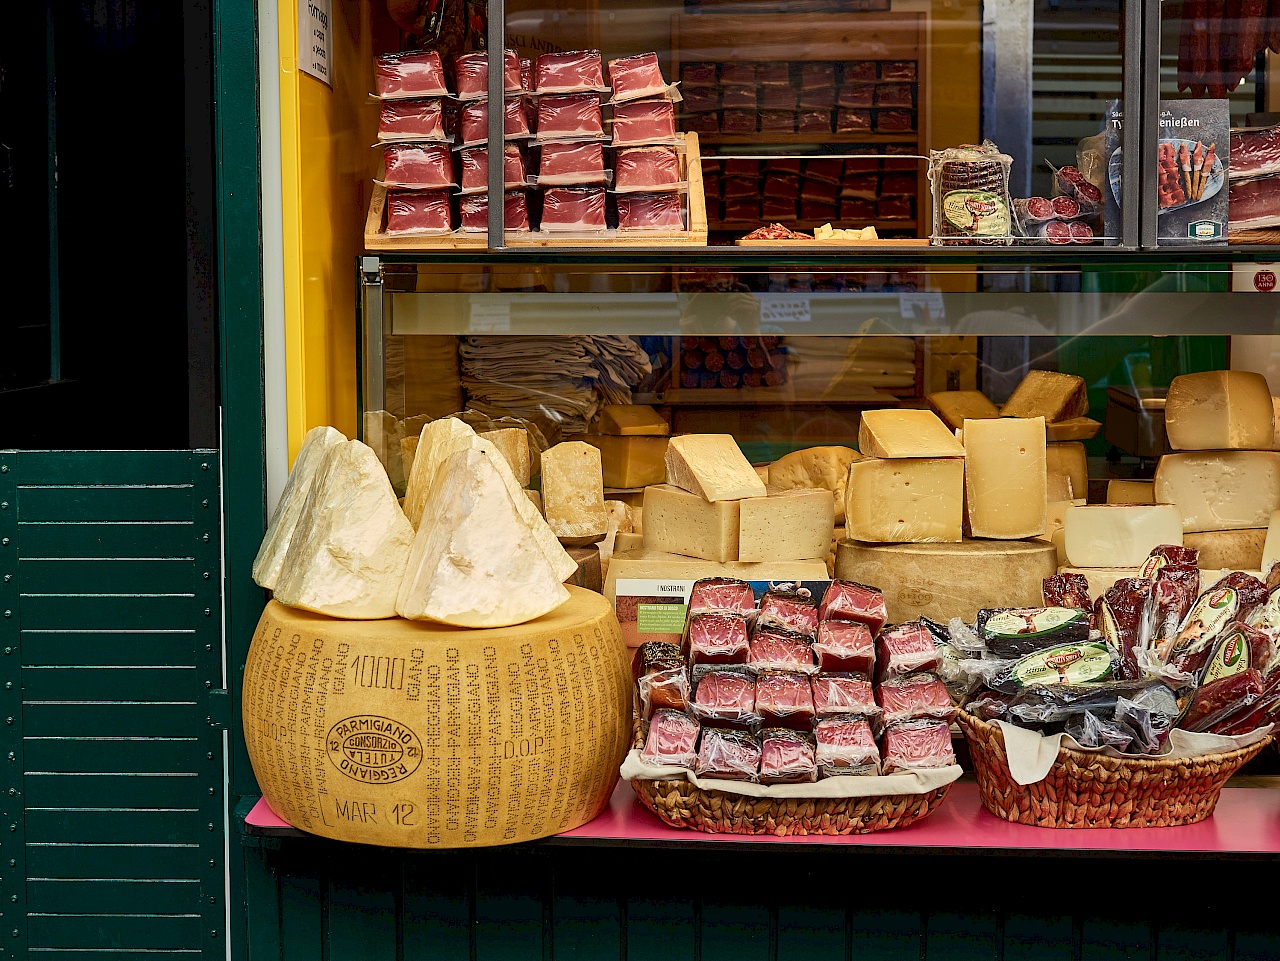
pixel 114 931
pixel 44 468
pixel 105 503
pixel 106 540
pixel 301 912
pixel 585 915
pixel 105 755
pixel 1176 942
pixel 110 790
pixel 263 903
pixel 885 934
pixel 734 927
pixel 104 860
pixel 972 935
pixel 89 613
pixel 53 954
pixel 437 909
pixel 113 827
pixel 113 897
pixel 141 647
pixel 1038 938
pixel 361 910
pixel 57 576
pixel 657 926
pixel 811 932
pixel 1105 939
pixel 122 720
pixel 109 683
pixel 509 906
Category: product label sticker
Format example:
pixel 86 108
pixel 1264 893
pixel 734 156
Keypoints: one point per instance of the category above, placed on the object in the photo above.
pixel 1068 664
pixel 979 213
pixel 660 618
pixel 315 51
pixel 1230 658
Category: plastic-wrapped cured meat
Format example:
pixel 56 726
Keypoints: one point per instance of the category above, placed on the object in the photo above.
pixel 851 601
pixel 475 168
pixel 471 71
pixel 663 681
pixel 419 212
pixel 971 203
pixel 475 211
pixel 1068 590
pixel 1232 598
pixel 646 168
pixel 636 77
pixel 1166 554
pixel 573 208
pixel 571 163
pixel 1033 210
pixel 1266 616
pixel 1121 616
pixel 787 757
pixel 1052 232
pixel 721 594
pixel 654 655
pixel 845 745
pixel 717 639
pixel 425 166
pixel 1014 632
pixel 473 120
pixel 1173 591
pixel 570 115
pixel 650 211
pixel 411 120
pixel 672 739
pixel 843 694
pixel 729 755
pixel 1232 679
pixel 894 121
pixel 898 70
pixel 1067 664
pixel 895 95
pixel 643 121
pixel 570 72
pixel 856 95
pixel 906 649
pixel 726 696
pixel 1081 233
pixel 844 646
pixel 917 745
pixel 916 695
pixel 696 74
pixel 789 609
pixel 784 700
pixel 412 73
pixel 817 76
pixel 776 649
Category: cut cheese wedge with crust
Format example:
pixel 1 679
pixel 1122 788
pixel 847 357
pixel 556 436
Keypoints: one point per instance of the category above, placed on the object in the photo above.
pixel 711 466
pixel 1049 394
pixel 893 433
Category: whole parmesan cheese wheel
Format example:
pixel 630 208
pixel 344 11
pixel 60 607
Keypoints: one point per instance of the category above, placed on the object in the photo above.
pixel 943 581
pixel 418 735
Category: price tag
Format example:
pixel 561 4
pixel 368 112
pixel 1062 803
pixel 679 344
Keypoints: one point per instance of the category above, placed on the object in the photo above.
pixel 315 50
pixel 490 316
pixel 924 306
pixel 784 310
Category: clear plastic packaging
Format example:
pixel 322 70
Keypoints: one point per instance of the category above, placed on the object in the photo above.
pixel 1231 598
pixel 1049 707
pixel 1173 593
pixel 845 646
pixel 636 77
pixel 573 208
pixel 475 211
pixel 787 757
pixel 475 168
pixel 729 755
pixel 856 94
pixel 906 649
pixel 971 203
pixel 410 73
pixel 579 162
pixel 726 696
pixel 419 212
pixel 1068 590
pixel 843 694
pixel 784 700
pixel 717 638
pixel 846 746
pixel 666 686
pixel 914 696
pixel 721 594
pixel 672 739
pixel 817 76
pixel 472 73
pixel 777 649
pixel 473 121
pixel 650 211
pixel 851 601
pixel 573 71
pixel 1232 680
pixel 419 166
pixel 791 609
pixel 646 168
pixel 1014 632
pixel 571 115
pixel 917 745
pixel 644 121
pixel 412 120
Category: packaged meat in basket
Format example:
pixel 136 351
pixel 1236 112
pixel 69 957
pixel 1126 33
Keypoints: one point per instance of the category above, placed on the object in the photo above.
pixel 790 609
pixel 571 115
pixel 419 212
pixel 851 601
pixel 475 168
pixel 717 638
pixel 726 696
pixel 729 755
pixel 410 73
pixel 845 646
pixel 573 71
pixel 411 120
pixel 635 77
pixel 644 121
pixel 646 168
pixel 1232 680
pixel 843 694
pixel 846 746
pixel 662 679
pixel 906 649
pixel 784 700
pixel 475 211
pixel 971 203
pixel 650 211
pixel 916 745
pixel 777 649
pixel 422 166
pixel 473 121
pixel 787 757
pixel 721 594
pixel 471 71
pixel 672 739
pixel 573 208
pixel 575 162
pixel 914 696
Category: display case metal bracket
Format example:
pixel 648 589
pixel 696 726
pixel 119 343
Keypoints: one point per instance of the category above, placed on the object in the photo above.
pixel 372 342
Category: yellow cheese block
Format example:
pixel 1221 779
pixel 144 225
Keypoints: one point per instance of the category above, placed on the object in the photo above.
pixel 628 542
pixel 786 526
pixel 1070 458
pixel 513 444
pixel 712 466
pixel 1121 535
pixel 1239 550
pixel 1005 477
pixel 812 467
pixel 678 522
pixel 1131 491
pixel 1058 487
pixel 1220 490
pixel 1048 394
pixel 408 734
pixel 957 406
pixel 632 419
pixel 943 581
pixel 632 461
pixel 906 433
pixel 573 493
pixel 1075 428
pixel 915 499
pixel 1219 410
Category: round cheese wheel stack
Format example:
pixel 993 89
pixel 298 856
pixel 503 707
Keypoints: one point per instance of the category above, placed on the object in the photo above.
pixel 943 581
pixel 418 735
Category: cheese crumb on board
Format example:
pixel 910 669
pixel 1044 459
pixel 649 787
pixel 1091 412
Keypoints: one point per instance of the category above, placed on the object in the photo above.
pixel 1119 535
pixel 631 419
pixel 957 406
pixel 679 522
pixel 906 433
pixel 907 500
pixel 1220 490
pixel 573 493
pixel 786 525
pixel 1048 394
pixel 1005 477
pixel 1219 410
pixel 711 466
pixel 813 467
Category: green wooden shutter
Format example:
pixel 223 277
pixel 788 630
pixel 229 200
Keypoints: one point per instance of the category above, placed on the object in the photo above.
pixel 111 754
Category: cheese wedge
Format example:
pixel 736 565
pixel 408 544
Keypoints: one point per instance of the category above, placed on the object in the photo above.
pixel 632 419
pixel 620 514
pixel 905 500
pixel 474 561
pixel 1074 428
pixel 1005 477
pixel 1048 394
pixel 438 441
pixel 630 461
pixel 711 466
pixel 1119 535
pixel 762 471
pixel 1220 490
pixel 628 542
pixel 1219 410
pixel 573 493
pixel 957 406
pixel 1131 491
pixel 679 522
pixel 812 468
pixel 1239 550
pixel 1069 457
pixel 786 525
pixel 349 560
pixel 906 433
pixel 288 514
pixel 513 442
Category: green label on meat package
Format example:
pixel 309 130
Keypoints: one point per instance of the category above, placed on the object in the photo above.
pixel 1266 617
pixel 979 213
pixel 1211 613
pixel 1231 657
pixel 1066 664
pixel 1030 621
pixel 1151 565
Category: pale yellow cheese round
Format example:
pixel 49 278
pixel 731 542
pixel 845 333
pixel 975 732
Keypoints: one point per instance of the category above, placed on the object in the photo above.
pixel 418 735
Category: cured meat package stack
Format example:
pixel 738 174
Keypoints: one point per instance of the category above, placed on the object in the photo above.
pixel 472 73
pixel 649 192
pixel 971 203
pixel 570 88
pixel 791 688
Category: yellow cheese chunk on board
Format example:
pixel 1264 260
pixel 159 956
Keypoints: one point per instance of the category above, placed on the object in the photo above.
pixel 1049 394
pixel 1219 410
pixel 631 419
pixel 1271 546
pixel 1070 458
pixel 905 433
pixel 1058 487
pixel 630 461
pixel 1005 477
pixel 711 466
pixel 957 406
pixel 1220 490
pixel 786 526
pixel 812 467
pixel 907 500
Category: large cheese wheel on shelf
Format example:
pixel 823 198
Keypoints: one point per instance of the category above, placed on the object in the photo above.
pixel 419 735
pixel 943 581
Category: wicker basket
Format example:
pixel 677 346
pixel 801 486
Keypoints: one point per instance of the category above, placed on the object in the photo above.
pixel 1087 790
pixel 682 805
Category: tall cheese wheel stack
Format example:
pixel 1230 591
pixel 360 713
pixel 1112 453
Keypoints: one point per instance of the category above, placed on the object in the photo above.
pixel 418 735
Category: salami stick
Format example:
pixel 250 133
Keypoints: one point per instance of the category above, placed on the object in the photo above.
pixel 1252 35
pixel 1196 14
pixel 1186 45
pixel 1214 12
pixel 1229 43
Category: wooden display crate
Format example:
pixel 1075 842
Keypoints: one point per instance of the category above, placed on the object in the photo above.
pixel 377 239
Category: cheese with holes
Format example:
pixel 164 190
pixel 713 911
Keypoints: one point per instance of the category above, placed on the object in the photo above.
pixel 1048 394
pixel 651 565
pixel 678 522
pixel 438 440
pixel 1219 410
pixel 1131 491
pixel 916 500
pixel 513 444
pixel 631 419
pixel 573 493
pixel 288 514
pixel 1119 535
pixel 906 433
pixel 942 581
pixel 1005 477
pixel 711 466
pixel 957 406
pixel 813 467
pixel 786 525
pixel 628 542
pixel 350 558
pixel 474 561
pixel 1271 546
pixel 1220 490
pixel 631 461
pixel 1057 487
pixel 1238 550
pixel 1070 458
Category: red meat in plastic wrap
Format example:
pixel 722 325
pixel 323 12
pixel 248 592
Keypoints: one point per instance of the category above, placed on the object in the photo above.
pixel 739 72
pixel 843 694
pixel 635 77
pixel 845 745
pixel 1233 678
pixel 646 167
pixel 740 98
pixel 814 121
pixel 894 208
pixel 425 166
pixel 1081 233
pixel 426 212
pixel 475 211
pixel 775 208
pixel 571 163
pixel 741 210
pixel 1120 614
pixel 573 208
pixel 475 167
pixel 721 594
pixel 895 95
pixel 851 601
pixel 1232 598
pixel 473 120
pixel 857 210
pixel 777 121
pixel 916 695
pixel 673 739
pixel 413 73
pixel 411 120
pixel 860 71
pixel 791 610
pixel 856 95
pixel 472 73
pixel 787 757
pixel 1173 592
pixel 570 115
pixel 1167 554
pixel 717 639
pixel 1067 590
pixel 650 211
pixel 643 121
pixel 654 655
pixel 781 186
pixel 774 649
pixel 569 72
pixel 739 121
pixel 894 121
pixel 906 649
pixel 692 74
pixel 728 755
pixel 829 171
pixel 784 700
pixel 898 70
pixel 916 745
pixel 700 100
pixel 845 646
pixel 817 76
pixel 779 97
pixel 726 697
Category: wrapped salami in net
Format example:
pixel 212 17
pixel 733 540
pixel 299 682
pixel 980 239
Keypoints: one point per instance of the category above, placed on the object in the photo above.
pixel 673 739
pixel 787 757
pixel 971 203
pixel 729 755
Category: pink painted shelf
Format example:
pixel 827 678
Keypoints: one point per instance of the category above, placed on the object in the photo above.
pixel 1246 823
